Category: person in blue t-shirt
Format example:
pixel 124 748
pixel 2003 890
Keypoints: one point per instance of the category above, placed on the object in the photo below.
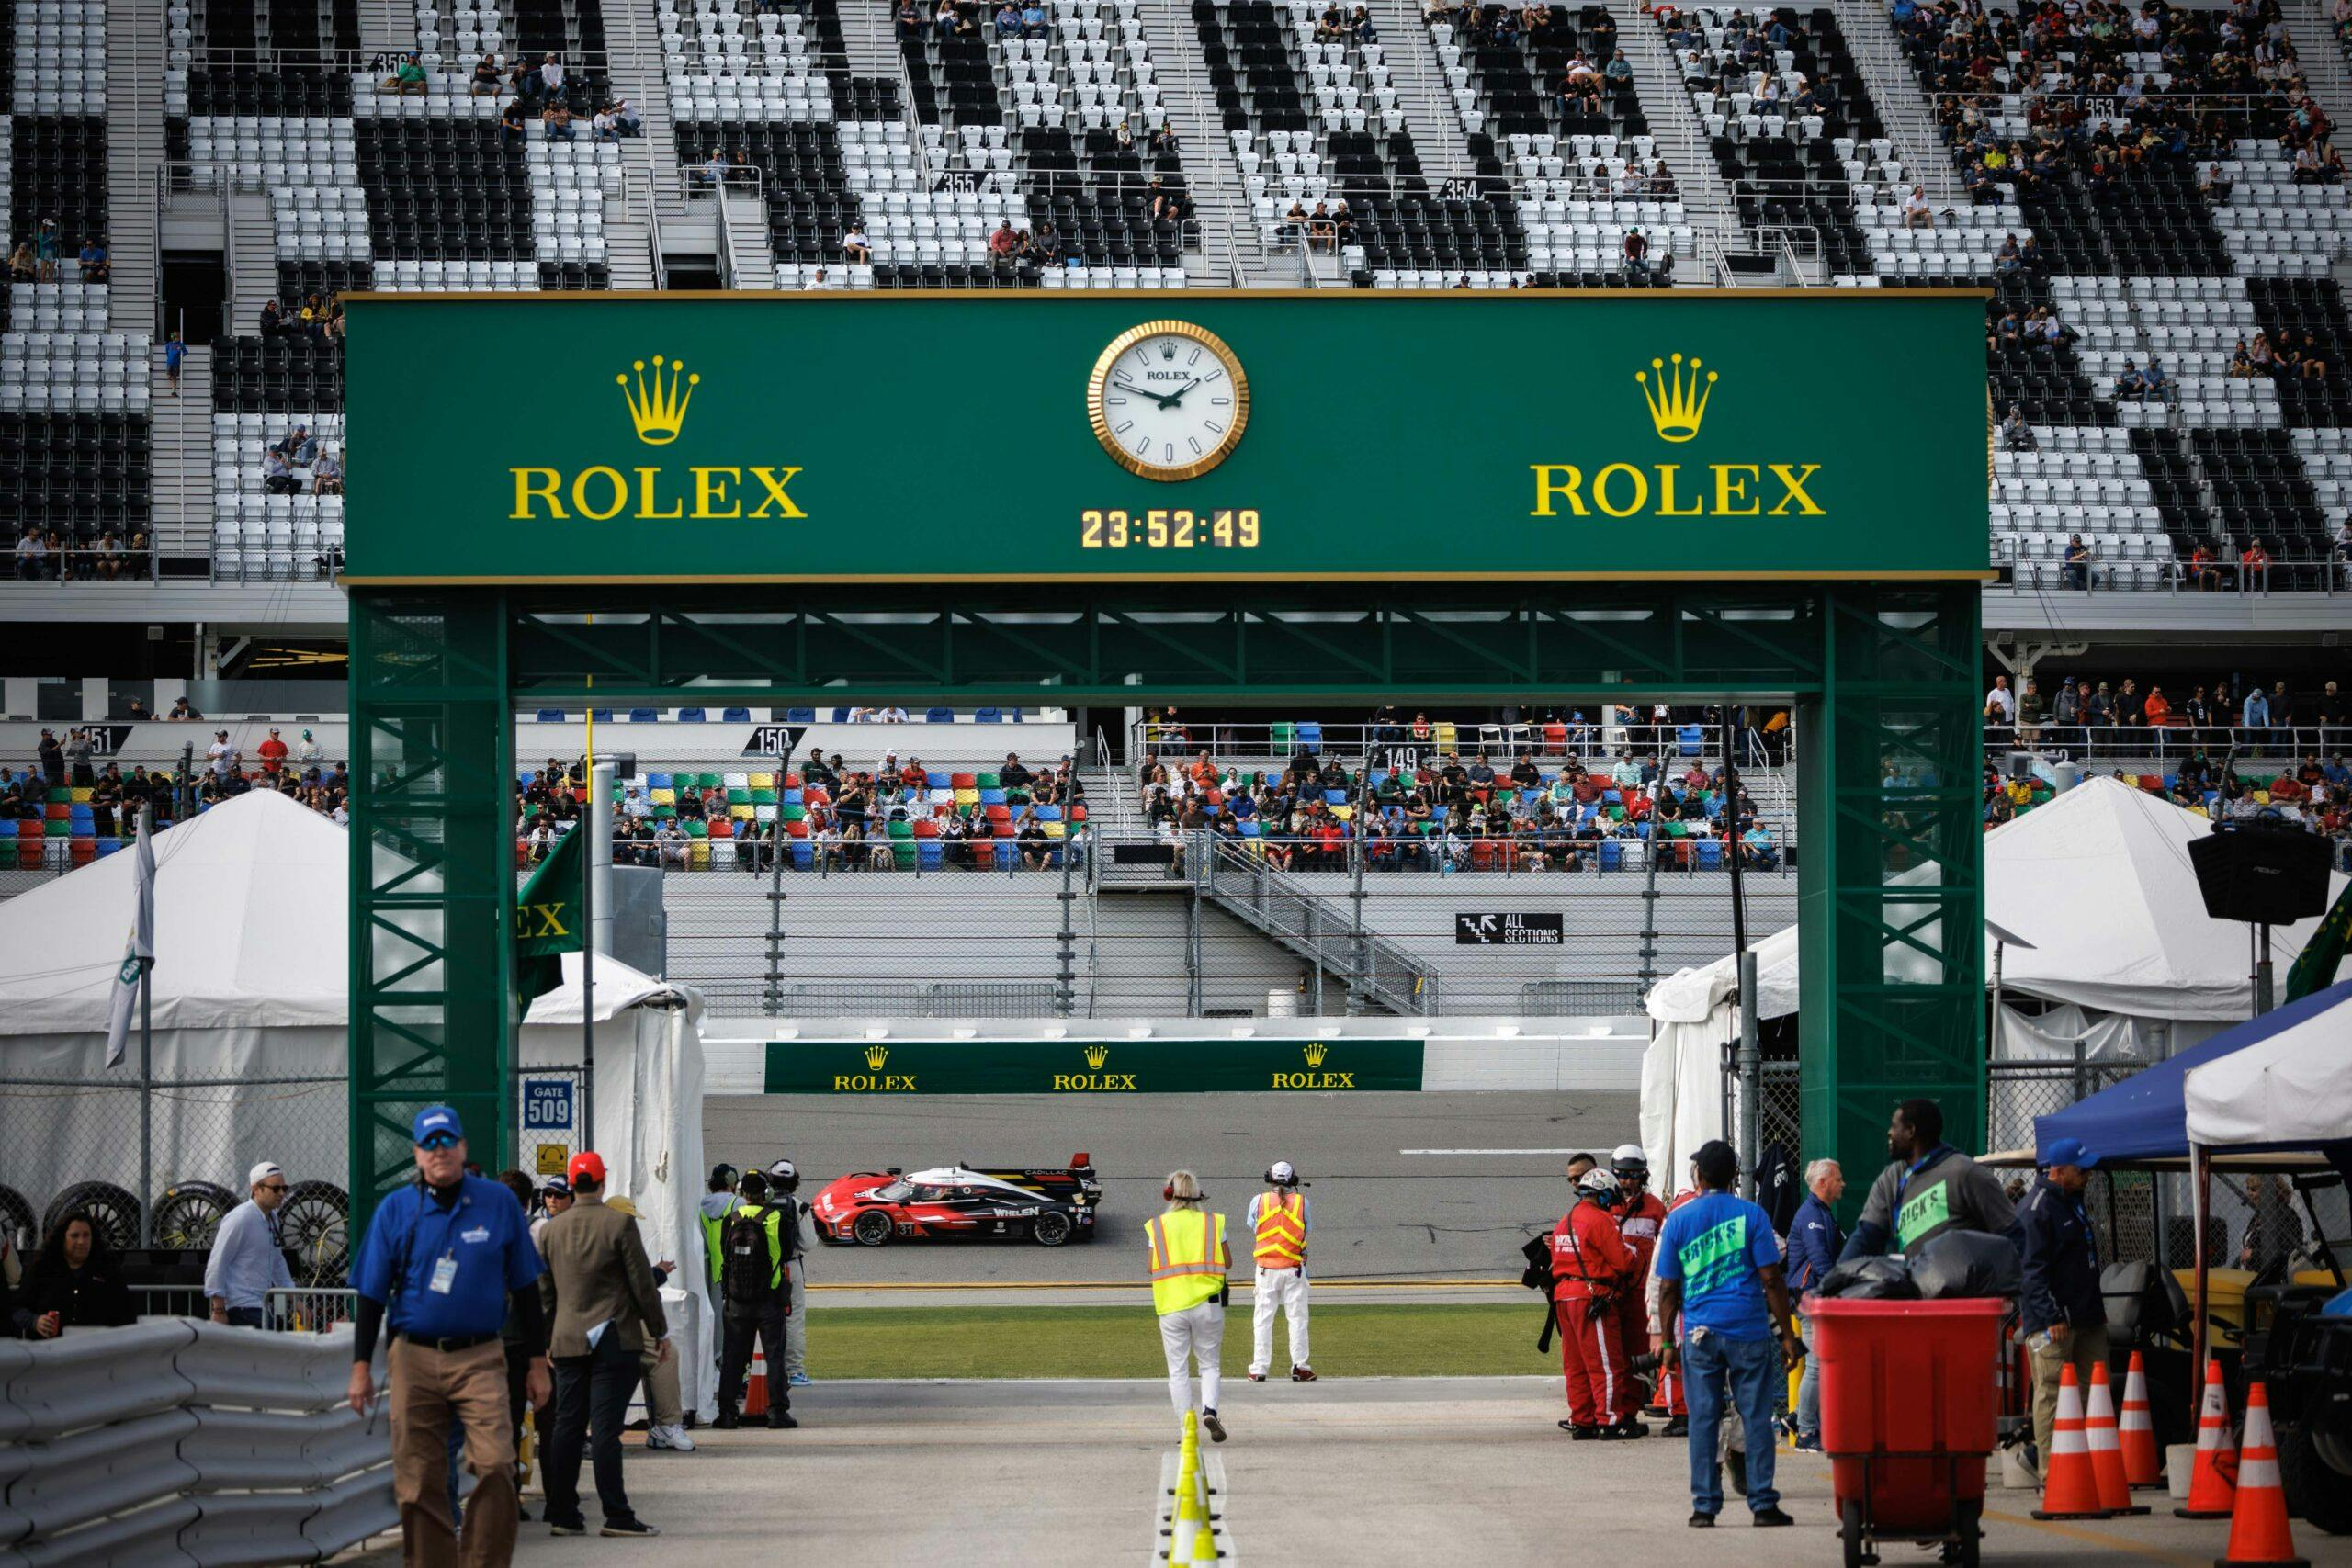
pixel 442 1261
pixel 1720 1281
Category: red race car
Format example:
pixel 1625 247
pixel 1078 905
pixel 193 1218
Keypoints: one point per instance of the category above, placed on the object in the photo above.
pixel 870 1207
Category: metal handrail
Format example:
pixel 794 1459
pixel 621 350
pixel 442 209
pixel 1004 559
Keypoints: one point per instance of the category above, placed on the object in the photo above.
pixel 2224 744
pixel 1285 909
pixel 1603 737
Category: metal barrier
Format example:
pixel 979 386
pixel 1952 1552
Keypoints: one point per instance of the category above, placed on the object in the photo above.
pixel 2282 744
pixel 306 1309
pixel 186 1443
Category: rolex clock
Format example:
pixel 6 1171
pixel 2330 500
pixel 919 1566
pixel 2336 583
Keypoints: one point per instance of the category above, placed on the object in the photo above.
pixel 1168 399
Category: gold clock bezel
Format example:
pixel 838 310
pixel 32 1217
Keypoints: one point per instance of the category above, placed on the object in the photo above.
pixel 1161 472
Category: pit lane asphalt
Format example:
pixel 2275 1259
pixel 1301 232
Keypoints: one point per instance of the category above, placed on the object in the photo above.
pixel 1379 1214
pixel 1332 1474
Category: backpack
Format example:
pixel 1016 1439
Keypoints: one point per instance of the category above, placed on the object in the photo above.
pixel 747 1267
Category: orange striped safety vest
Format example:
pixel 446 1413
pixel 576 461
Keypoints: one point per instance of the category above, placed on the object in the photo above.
pixel 1187 1259
pixel 1282 1230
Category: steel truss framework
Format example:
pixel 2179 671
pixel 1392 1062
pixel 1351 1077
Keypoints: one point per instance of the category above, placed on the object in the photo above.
pixel 1883 677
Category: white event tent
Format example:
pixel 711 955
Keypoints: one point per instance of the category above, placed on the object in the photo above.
pixel 2098 881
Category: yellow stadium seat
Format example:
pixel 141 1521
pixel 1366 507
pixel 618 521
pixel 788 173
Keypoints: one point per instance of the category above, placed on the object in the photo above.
pixel 699 855
pixel 82 794
pixel 1053 829
pixel 1446 740
pixel 1344 813
pixel 740 813
pixel 967 797
pixel 763 780
pixel 665 797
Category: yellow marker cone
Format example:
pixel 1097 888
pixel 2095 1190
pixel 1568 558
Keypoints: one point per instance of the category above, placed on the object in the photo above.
pixel 1205 1546
pixel 1188 1497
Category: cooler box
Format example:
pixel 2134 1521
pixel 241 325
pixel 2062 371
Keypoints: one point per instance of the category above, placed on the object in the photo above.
pixel 1907 1406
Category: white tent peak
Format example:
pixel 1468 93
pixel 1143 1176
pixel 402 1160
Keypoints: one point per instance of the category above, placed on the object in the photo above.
pixel 247 896
pixel 619 988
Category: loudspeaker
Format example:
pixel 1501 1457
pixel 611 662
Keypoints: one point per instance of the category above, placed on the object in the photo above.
pixel 2271 875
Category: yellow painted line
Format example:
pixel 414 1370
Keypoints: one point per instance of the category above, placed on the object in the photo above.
pixel 2093 1537
pixel 1144 1284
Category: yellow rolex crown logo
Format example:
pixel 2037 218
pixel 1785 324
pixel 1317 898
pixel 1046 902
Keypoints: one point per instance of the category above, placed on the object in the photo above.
pixel 1677 398
pixel 659 410
pixel 1316 1053
pixel 876 1055
pixel 1096 1055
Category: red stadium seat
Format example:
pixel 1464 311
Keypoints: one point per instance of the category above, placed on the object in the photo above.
pixel 84 851
pixel 926 828
pixel 798 827
pixel 983 853
pixel 1555 737
pixel 964 781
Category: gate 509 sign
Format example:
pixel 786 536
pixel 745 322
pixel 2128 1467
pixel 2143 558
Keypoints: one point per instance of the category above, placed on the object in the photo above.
pixel 547 1105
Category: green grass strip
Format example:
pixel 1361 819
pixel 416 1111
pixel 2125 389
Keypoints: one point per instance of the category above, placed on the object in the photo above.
pixel 1351 1339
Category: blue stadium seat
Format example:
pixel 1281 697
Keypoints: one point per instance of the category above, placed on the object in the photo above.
pixel 550 715
pixel 840 716
pixel 986 715
pixel 939 716
pixel 804 854
pixel 1710 855
pixel 108 846
pixel 790 797
pixel 601 716
pixel 1612 855
pixel 736 716
pixel 644 715
pixel 991 798
pixel 940 781
pixel 1379 776
pixel 1250 828
pixel 690 716
pixel 796 716
pixel 658 781
pixel 1691 739
pixel 930 855
pixel 1049 814
pixel 1612 797
pixel 1335 797
pixel 1310 735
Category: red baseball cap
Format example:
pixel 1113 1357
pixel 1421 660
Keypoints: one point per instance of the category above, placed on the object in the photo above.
pixel 587 1163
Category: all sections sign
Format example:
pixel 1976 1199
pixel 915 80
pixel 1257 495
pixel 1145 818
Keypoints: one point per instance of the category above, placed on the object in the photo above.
pixel 1123 1067
pixel 931 436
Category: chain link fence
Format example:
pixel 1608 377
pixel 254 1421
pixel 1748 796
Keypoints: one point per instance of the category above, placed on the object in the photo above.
pixel 160 1164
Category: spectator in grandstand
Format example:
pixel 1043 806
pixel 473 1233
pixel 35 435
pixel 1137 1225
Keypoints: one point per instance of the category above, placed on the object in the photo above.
pixel 2079 562
pixel 1638 253
pixel 181 710
pixel 513 125
pixel 550 76
pixel 489 77
pixel 2155 383
pixel 947 20
pixel 277 474
pixel 327 474
pixel 2130 385
pixel 407 77
pixel 2254 567
pixel 46 245
pixel 96 268
pixel 273 752
pixel 908 17
pixel 631 119
pixel 21 267
pixel 32 557
pixel 604 125
pixel 1918 213
pixel 556 120
pixel 1008 20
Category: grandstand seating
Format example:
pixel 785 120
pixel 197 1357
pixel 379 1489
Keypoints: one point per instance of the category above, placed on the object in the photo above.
pixel 2212 238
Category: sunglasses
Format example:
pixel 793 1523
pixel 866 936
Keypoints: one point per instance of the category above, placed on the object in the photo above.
pixel 439 1140
pixel 272 1187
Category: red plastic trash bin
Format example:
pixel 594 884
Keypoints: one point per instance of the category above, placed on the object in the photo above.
pixel 1908 1415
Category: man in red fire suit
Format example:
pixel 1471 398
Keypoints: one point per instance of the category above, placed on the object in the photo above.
pixel 1591 1275
pixel 1640 1214
pixel 1669 1383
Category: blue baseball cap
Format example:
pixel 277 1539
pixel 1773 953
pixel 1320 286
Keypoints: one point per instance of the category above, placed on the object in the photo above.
pixel 2066 1151
pixel 434 1119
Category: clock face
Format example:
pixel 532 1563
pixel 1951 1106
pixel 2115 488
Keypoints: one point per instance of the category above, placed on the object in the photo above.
pixel 1168 399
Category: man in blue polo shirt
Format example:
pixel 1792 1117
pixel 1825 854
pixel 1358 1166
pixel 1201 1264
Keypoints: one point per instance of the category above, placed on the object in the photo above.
pixel 444 1260
pixel 1719 1272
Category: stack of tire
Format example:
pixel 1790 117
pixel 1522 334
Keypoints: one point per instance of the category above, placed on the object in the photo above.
pixel 312 1221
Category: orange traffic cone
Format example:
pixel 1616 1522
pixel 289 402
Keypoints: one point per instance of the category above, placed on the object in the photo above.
pixel 2212 1492
pixel 2069 1485
pixel 2258 1533
pixel 2107 1453
pixel 2136 1434
pixel 755 1393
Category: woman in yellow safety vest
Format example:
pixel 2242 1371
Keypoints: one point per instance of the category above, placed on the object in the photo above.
pixel 1189 1257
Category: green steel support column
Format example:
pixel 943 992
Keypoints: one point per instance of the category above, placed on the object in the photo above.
pixel 432 878
pixel 1891 880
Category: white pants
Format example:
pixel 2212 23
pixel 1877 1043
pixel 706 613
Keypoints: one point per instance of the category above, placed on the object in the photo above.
pixel 1284 1288
pixel 1197 1332
pixel 795 1327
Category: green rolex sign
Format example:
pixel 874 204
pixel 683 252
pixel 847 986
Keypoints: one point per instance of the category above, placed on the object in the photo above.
pixel 865 437
pixel 1090 1066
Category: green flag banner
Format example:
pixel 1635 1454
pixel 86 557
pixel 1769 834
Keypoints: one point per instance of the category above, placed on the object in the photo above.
pixel 546 918
pixel 1089 1067
pixel 2315 970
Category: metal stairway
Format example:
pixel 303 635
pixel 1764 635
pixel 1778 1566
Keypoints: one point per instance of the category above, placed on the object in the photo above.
pixel 134 160
pixel 180 455
pixel 1377 972
pixel 1902 106
pixel 1422 91
pixel 1681 140
pixel 1232 251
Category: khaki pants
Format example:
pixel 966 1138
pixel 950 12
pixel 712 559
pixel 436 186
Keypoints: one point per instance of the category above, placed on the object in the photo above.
pixel 666 1404
pixel 429 1390
pixel 2084 1348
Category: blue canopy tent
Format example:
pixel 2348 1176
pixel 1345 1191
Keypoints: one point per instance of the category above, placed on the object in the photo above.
pixel 2146 1117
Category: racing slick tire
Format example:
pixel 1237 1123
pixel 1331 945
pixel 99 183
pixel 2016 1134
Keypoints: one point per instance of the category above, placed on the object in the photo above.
pixel 2315 1491
pixel 871 1228
pixel 1051 1229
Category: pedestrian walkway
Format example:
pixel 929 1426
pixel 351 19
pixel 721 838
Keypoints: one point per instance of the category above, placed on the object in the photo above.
pixel 1424 1470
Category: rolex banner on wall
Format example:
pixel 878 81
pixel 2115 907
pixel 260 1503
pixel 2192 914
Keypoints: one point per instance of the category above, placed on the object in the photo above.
pixel 547 919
